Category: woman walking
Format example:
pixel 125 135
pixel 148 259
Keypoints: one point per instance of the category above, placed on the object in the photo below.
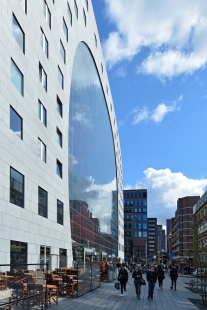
pixel 123 278
pixel 137 275
pixel 160 276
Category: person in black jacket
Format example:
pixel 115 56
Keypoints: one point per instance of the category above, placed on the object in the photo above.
pixel 151 279
pixel 160 275
pixel 174 276
pixel 137 275
pixel 123 278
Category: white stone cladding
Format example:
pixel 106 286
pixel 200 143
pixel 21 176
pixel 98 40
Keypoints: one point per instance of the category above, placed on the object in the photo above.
pixel 24 224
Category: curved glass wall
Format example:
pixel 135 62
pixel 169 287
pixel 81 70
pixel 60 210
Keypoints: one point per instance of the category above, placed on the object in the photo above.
pixel 92 167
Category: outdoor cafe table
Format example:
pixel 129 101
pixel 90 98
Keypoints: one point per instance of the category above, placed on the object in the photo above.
pixel 49 288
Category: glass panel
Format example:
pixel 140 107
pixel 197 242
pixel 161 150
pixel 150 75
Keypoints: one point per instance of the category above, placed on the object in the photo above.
pixel 76 9
pixel 62 51
pixel 18 253
pixel 60 77
pixel 42 202
pixel 24 5
pixel 59 169
pixel 16 77
pixel 59 212
pixel 92 167
pixel 65 29
pixel 18 33
pixel 44 82
pixel 16 188
pixel 15 123
pixel 59 137
pixel 59 107
pixel 42 114
pixel 70 14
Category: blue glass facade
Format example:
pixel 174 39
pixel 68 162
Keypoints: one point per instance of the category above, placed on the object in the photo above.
pixel 92 166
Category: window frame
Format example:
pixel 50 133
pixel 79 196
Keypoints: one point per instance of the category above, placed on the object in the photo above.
pixel 65 29
pixel 59 103
pixel 14 18
pixel 43 43
pixel 60 166
pixel 25 6
pixel 70 14
pixel 60 74
pixel 43 152
pixel 41 109
pixel 59 137
pixel 47 13
pixel 19 71
pixel 60 221
pixel 64 52
pixel 11 168
pixel 11 108
pixel 41 207
pixel 42 75
pixel 76 9
pixel 84 17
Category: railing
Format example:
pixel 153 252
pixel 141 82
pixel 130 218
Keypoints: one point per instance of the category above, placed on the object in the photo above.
pixel 88 277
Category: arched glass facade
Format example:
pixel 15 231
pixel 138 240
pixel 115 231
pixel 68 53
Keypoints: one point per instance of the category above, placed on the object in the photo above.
pixel 92 167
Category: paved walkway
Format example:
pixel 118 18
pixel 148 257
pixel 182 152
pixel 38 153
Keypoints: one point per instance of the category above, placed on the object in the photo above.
pixel 108 298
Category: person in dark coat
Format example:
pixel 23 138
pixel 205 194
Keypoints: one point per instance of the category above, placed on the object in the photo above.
pixel 151 279
pixel 160 275
pixel 137 275
pixel 123 278
pixel 174 276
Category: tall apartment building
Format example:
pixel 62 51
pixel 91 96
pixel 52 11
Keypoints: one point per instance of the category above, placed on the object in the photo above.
pixel 159 238
pixel 168 226
pixel 135 224
pixel 151 239
pixel 60 158
pixel 200 233
pixel 182 230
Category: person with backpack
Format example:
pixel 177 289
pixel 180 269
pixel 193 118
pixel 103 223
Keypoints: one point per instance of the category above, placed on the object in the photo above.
pixel 137 275
pixel 160 276
pixel 123 278
pixel 174 276
pixel 151 279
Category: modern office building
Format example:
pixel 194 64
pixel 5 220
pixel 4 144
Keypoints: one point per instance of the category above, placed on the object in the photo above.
pixel 200 233
pixel 151 239
pixel 61 196
pixel 182 230
pixel 135 225
pixel 168 226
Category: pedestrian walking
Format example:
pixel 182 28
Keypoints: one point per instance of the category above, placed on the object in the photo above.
pixel 151 279
pixel 123 278
pixel 137 275
pixel 174 276
pixel 160 276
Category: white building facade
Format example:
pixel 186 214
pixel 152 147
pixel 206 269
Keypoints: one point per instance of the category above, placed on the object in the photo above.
pixel 53 90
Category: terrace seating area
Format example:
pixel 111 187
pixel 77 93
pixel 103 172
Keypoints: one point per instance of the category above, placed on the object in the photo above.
pixel 39 289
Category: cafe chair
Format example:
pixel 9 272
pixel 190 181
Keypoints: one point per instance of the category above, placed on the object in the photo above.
pixel 17 292
pixel 35 296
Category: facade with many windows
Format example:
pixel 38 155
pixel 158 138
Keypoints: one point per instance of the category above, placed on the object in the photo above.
pixel 60 158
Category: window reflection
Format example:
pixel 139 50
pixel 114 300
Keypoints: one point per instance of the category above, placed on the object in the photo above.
pixel 92 170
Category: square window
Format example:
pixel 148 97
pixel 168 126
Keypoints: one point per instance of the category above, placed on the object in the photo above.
pixel 18 33
pixel 16 188
pixel 62 52
pixel 59 168
pixel 59 212
pixel 59 137
pixel 16 123
pixel 17 77
pixel 24 5
pixel 41 150
pixel 59 107
pixel 42 113
pixel 44 43
pixel 43 77
pixel 47 13
pixel 42 202
pixel 65 29
pixel 70 14
pixel 60 78
pixel 84 17
pixel 76 9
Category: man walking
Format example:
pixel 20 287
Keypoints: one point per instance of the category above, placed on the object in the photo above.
pixel 151 279
pixel 123 278
pixel 174 276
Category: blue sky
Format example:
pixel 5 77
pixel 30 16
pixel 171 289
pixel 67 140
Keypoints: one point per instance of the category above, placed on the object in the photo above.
pixel 156 55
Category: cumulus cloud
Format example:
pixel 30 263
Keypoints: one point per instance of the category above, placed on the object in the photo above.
pixel 157 114
pixel 164 188
pixel 172 31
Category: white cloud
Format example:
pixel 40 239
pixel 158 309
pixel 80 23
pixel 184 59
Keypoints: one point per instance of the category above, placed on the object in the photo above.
pixel 157 114
pixel 165 187
pixel 173 31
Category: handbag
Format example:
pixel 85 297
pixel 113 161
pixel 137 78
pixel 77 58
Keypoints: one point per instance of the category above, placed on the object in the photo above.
pixel 116 285
pixel 142 281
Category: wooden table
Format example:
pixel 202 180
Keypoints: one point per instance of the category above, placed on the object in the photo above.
pixel 49 290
